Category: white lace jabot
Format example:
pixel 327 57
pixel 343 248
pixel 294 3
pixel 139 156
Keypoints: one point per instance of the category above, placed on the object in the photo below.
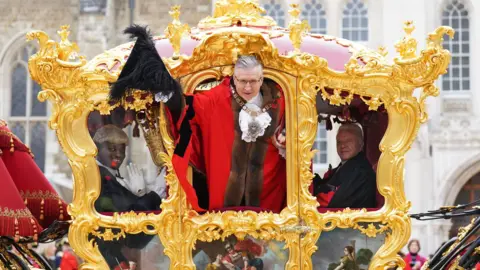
pixel 253 126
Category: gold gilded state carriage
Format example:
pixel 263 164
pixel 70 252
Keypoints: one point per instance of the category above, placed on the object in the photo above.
pixel 309 68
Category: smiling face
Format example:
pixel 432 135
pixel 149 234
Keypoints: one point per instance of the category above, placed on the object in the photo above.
pixel 248 81
pixel 348 145
pixel 111 155
pixel 414 248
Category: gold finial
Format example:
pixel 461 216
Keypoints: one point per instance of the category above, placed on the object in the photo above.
pixel 407 47
pixel 294 12
pixel 176 30
pixel 409 27
pixel 64 33
pixel 297 28
pixel 66 48
pixel 435 38
pixel 175 12
pixel 382 51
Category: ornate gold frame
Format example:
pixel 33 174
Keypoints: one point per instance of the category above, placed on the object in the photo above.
pixel 75 88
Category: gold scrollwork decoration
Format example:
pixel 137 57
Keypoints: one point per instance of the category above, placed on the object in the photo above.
pixel 109 235
pixel 234 12
pixel 371 230
pixel 336 98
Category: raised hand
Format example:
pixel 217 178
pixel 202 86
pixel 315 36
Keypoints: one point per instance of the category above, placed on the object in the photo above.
pixel 135 181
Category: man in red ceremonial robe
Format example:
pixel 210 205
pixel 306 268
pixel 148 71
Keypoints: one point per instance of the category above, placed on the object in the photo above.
pixel 234 133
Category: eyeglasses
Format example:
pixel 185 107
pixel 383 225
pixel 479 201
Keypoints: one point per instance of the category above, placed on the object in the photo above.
pixel 245 82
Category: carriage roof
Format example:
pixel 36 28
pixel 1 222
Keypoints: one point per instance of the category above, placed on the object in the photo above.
pixel 245 19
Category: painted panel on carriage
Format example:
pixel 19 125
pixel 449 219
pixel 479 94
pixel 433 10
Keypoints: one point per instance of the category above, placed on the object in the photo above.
pixel 137 251
pixel 234 254
pixel 348 247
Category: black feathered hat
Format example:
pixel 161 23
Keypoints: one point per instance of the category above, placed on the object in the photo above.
pixel 144 69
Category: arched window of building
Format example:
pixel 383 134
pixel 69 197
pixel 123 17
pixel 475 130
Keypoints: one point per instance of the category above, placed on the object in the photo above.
pixel 457 78
pixel 470 192
pixel 275 10
pixel 355 21
pixel 314 13
pixel 28 116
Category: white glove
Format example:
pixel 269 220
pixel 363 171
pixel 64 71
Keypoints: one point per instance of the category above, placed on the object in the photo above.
pixel 158 185
pixel 135 181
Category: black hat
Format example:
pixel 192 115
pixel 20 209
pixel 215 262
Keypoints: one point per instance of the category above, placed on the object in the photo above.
pixel 144 69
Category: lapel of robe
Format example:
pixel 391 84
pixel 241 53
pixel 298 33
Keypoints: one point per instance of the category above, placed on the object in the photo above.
pixel 336 178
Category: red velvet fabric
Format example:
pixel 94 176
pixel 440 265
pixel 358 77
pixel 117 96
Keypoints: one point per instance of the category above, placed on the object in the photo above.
pixel 29 181
pixel 15 219
pixel 36 191
pixel 8 141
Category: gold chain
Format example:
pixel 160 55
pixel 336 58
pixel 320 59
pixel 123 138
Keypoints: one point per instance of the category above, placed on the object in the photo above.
pixel 242 103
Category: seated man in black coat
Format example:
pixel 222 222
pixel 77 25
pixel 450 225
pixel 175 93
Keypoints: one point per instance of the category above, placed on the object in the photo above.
pixel 123 194
pixel 353 182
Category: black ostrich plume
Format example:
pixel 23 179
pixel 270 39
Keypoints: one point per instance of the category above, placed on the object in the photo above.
pixel 145 70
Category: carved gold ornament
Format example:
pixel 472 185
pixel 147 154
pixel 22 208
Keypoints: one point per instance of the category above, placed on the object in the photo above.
pixel 297 28
pixel 176 30
pixel 75 88
pixel 237 12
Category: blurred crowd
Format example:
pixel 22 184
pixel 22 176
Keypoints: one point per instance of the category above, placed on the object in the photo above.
pixel 58 254
pixel 414 260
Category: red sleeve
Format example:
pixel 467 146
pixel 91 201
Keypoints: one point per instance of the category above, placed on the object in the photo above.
pixel 202 105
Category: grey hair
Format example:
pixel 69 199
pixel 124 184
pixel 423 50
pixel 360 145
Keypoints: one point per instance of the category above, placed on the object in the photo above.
pixel 354 129
pixel 248 62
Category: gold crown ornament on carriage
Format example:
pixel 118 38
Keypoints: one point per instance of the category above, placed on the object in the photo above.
pixel 208 157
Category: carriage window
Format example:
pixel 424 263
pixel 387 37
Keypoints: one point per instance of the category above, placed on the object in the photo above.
pixel 132 183
pixel 355 21
pixel 314 13
pixel 93 6
pixel 346 177
pixel 274 9
pixel 457 78
pixel 28 116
